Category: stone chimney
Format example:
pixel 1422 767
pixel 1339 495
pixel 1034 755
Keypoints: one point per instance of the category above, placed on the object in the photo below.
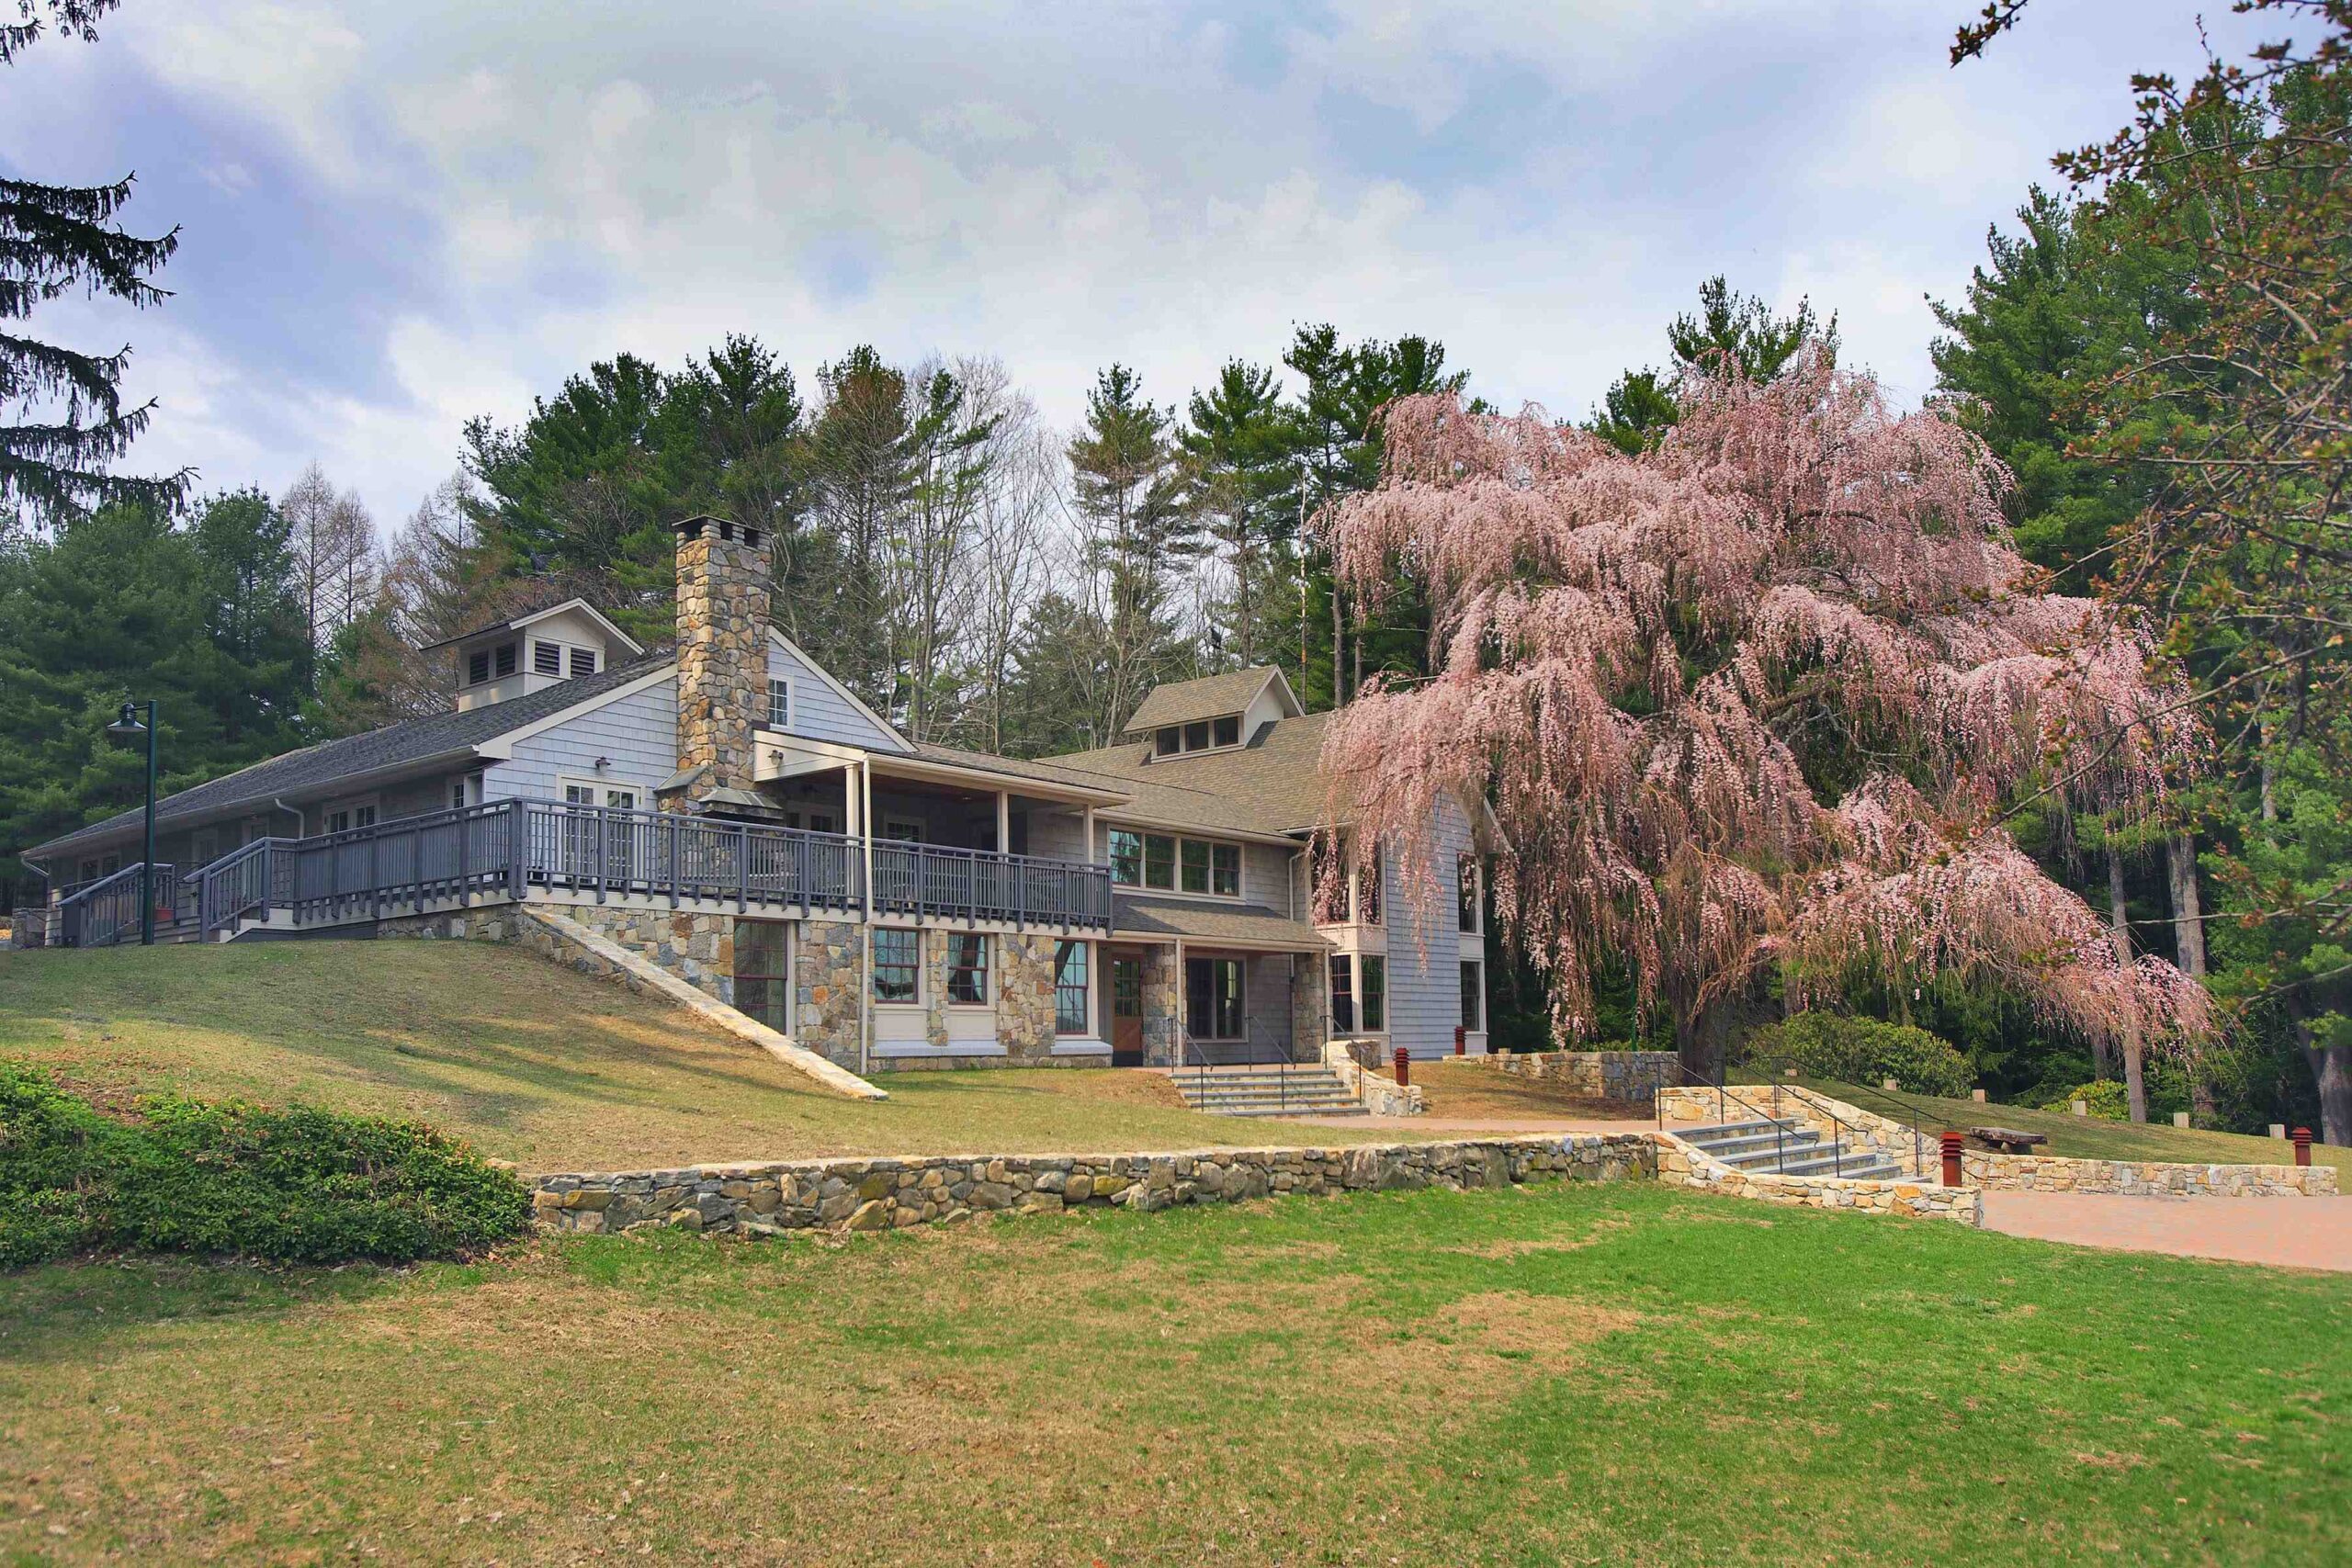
pixel 722 664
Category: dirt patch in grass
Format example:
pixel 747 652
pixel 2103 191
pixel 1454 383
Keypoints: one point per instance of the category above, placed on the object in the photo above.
pixel 1521 1247
pixel 1465 1089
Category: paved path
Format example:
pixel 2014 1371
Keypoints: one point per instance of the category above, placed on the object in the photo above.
pixel 1493 1126
pixel 2300 1233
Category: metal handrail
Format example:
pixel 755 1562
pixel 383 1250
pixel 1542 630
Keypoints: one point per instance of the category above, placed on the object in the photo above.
pixel 236 882
pixel 1779 1131
pixel 1911 1121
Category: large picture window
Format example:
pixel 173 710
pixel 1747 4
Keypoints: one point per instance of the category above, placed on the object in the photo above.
pixel 762 981
pixel 1213 999
pixel 967 969
pixel 1165 862
pixel 898 965
pixel 1069 989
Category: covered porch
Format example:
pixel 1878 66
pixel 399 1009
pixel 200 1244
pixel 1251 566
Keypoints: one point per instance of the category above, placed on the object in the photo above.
pixel 1193 983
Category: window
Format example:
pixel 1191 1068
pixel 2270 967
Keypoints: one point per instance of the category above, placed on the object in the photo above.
pixel 1470 891
pixel 1327 882
pixel 1212 1008
pixel 1200 734
pixel 897 967
pixel 1166 862
pixel 477 667
pixel 594 792
pixel 1127 857
pixel 1226 731
pixel 1069 989
pixel 779 704
pixel 1167 742
pixel 547 658
pixel 578 795
pixel 762 979
pixel 505 660
pixel 967 969
pixel 204 847
pixel 902 829
pixel 350 815
pixel 1372 985
pixel 466 790
pixel 1344 994
pixel 1473 996
pixel 1368 891
pixel 584 662
pixel 625 799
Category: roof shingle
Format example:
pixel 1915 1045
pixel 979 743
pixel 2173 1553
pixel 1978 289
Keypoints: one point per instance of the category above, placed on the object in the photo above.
pixel 1211 696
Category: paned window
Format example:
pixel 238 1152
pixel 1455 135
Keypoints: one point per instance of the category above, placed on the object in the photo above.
pixel 1344 994
pixel 1069 989
pixel 1168 741
pixel 898 965
pixel 967 969
pixel 1126 858
pixel 1226 731
pixel 779 704
pixel 1470 892
pixel 1368 892
pixel 762 980
pixel 1195 866
pixel 1212 999
pixel 1158 861
pixel 1371 981
pixel 1225 870
pixel 1473 996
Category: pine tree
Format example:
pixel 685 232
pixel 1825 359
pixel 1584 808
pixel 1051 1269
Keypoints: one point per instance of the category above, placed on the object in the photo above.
pixel 66 419
pixel 1140 538
pixel 1240 482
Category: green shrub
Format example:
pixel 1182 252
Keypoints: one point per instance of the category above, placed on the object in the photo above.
pixel 1861 1051
pixel 294 1185
pixel 2107 1099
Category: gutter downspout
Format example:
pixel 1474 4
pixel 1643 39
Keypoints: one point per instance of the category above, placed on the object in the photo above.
pixel 293 811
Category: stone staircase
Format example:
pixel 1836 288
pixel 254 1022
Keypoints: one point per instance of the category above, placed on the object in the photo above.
pixel 1297 1090
pixel 1767 1147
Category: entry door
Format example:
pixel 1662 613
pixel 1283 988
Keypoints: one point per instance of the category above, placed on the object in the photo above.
pixel 1126 1009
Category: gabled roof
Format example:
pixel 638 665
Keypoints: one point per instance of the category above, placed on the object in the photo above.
pixel 1270 784
pixel 1248 925
pixel 519 622
pixel 1211 696
pixel 411 743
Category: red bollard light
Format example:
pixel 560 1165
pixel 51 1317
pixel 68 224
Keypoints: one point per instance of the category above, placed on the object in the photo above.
pixel 2302 1146
pixel 1951 1142
pixel 1461 1041
pixel 1404 1067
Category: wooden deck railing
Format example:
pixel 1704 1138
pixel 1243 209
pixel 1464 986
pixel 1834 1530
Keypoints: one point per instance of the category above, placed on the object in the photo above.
pixel 502 849
pixel 98 914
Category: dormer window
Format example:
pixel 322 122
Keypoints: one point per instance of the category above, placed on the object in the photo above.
pixel 584 662
pixel 504 659
pixel 477 667
pixel 547 658
pixel 1200 734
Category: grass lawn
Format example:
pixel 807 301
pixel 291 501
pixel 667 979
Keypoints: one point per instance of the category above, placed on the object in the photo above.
pixel 1562 1374
pixel 534 1062
pixel 1452 1088
pixel 2090 1137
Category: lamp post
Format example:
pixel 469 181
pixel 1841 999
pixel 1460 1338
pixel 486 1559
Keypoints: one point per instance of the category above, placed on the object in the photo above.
pixel 128 727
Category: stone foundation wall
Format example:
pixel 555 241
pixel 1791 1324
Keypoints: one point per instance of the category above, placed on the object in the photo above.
pixel 1025 999
pixel 828 978
pixel 1162 996
pixel 1381 1097
pixel 1683 1165
pixel 29 928
pixel 1629 1077
pixel 889 1194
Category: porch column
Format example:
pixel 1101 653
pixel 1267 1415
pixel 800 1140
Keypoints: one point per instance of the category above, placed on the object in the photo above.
pixel 854 809
pixel 1003 822
pixel 1178 1031
pixel 1089 856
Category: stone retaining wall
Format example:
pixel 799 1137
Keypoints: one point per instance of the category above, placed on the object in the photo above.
pixel 890 1194
pixel 1629 1077
pixel 2000 1172
pixel 1680 1165
pixel 1380 1096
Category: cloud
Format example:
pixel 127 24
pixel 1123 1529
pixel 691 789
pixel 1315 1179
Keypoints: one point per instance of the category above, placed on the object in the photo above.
pixel 398 216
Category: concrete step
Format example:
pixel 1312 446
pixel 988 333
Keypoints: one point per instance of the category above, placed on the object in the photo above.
pixel 1267 1091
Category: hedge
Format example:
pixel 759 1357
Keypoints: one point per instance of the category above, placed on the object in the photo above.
pixel 296 1184
pixel 1861 1051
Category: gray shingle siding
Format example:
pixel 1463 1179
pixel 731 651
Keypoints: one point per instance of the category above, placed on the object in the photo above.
pixel 637 735
pixel 818 713
pixel 1424 947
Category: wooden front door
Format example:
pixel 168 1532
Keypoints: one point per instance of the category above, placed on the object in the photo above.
pixel 1126 1009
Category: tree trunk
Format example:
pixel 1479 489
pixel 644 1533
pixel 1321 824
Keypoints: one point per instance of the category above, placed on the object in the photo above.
pixel 2332 1071
pixel 1700 1041
pixel 2120 920
pixel 2188 933
pixel 2135 1081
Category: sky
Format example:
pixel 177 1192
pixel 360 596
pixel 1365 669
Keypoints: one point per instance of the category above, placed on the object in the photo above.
pixel 397 217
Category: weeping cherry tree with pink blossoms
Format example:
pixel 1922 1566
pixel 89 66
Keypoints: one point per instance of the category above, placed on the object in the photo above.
pixel 1758 697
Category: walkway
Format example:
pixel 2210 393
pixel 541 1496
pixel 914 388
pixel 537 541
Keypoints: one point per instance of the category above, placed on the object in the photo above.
pixel 1483 1126
pixel 2296 1233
